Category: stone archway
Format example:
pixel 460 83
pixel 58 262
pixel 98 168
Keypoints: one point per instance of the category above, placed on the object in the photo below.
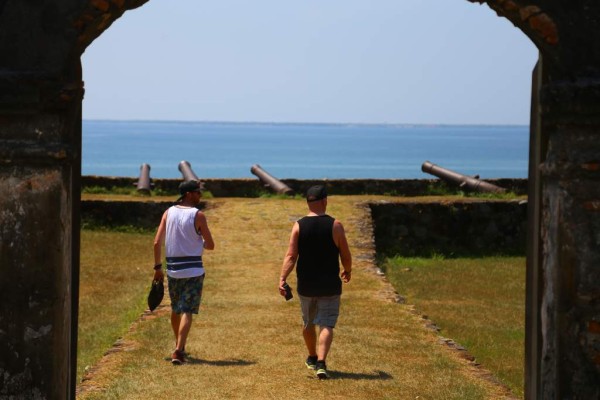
pixel 41 91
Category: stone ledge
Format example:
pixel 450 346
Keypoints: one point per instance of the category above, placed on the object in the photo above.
pixel 451 228
pixel 249 187
pixel 139 214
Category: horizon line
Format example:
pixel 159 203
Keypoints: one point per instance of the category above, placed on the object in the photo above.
pixel 405 124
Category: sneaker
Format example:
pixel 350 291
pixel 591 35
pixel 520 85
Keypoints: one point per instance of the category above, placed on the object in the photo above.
pixel 182 350
pixel 177 358
pixel 321 369
pixel 311 362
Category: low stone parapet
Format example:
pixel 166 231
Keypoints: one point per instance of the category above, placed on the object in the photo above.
pixel 248 187
pixel 111 214
pixel 454 228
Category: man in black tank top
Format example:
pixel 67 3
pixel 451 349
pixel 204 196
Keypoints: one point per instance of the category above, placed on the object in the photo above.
pixel 317 244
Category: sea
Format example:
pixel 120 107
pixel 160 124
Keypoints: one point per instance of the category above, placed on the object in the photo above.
pixel 302 150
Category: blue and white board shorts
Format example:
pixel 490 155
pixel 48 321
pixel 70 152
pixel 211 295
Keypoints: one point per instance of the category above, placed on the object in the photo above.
pixel 186 294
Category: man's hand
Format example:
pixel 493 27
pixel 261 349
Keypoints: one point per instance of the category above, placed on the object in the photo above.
pixel 281 288
pixel 346 276
pixel 158 275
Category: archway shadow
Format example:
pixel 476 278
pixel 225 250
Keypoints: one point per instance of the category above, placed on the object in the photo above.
pixel 376 375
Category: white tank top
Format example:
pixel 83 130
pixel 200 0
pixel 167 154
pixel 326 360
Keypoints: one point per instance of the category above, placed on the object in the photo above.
pixel 183 244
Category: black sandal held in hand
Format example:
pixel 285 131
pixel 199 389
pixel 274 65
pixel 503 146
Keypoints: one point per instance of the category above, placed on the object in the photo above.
pixel 157 291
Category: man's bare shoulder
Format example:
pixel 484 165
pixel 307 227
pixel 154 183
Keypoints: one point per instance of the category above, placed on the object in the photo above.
pixel 338 224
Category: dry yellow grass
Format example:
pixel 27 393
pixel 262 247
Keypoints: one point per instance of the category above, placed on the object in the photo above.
pixel 112 281
pixel 246 342
pixel 479 302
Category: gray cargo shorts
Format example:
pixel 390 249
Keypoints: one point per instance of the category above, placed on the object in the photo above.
pixel 322 311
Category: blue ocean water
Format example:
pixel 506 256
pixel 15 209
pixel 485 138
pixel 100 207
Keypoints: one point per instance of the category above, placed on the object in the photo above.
pixel 302 151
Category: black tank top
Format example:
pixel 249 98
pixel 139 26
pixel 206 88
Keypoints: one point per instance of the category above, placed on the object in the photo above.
pixel 318 268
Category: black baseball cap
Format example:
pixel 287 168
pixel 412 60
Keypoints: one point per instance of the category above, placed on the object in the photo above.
pixel 315 193
pixel 188 186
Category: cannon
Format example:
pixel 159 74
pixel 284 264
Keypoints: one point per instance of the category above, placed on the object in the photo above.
pixel 463 181
pixel 186 171
pixel 188 174
pixel 143 184
pixel 271 182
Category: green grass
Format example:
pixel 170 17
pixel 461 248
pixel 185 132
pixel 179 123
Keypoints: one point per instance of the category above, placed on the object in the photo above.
pixel 132 191
pixel 115 275
pixel 499 196
pixel 280 196
pixel 112 190
pixel 445 189
pixel 477 302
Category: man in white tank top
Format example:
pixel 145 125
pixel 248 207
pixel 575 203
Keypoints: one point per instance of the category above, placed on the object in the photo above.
pixel 184 231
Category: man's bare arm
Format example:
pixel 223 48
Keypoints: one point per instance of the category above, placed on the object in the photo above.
pixel 291 256
pixel 339 237
pixel 202 227
pixel 159 239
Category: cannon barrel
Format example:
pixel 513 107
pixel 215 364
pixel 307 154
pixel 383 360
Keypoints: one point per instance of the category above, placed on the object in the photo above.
pixel 463 181
pixel 186 171
pixel 270 181
pixel 143 184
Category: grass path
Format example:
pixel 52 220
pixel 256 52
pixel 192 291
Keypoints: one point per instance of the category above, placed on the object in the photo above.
pixel 247 343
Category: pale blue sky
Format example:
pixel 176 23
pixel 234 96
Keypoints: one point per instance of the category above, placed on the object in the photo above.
pixel 357 61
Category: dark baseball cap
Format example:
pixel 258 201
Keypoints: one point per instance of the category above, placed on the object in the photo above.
pixel 188 186
pixel 315 193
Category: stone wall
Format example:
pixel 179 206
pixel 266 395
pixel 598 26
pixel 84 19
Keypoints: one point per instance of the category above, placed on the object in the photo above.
pixel 41 92
pixel 112 214
pixel 450 229
pixel 469 227
pixel 248 187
